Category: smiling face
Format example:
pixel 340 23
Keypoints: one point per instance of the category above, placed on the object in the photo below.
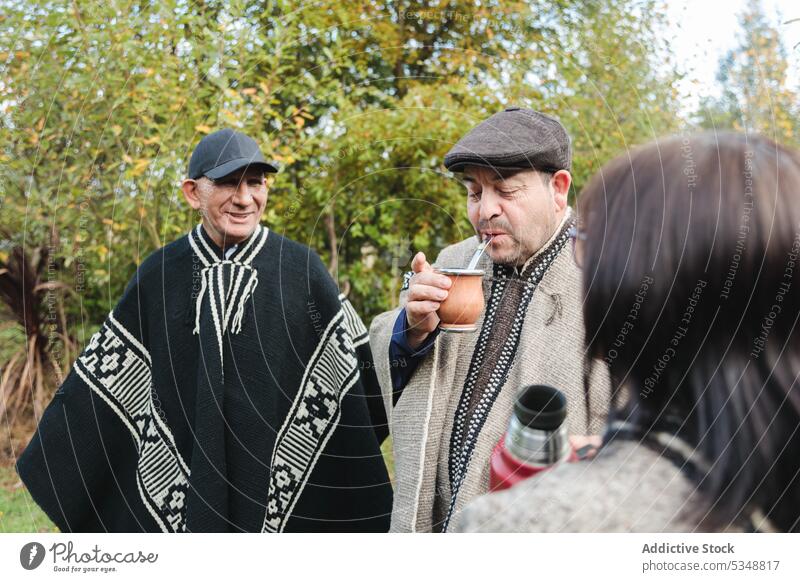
pixel 521 209
pixel 231 206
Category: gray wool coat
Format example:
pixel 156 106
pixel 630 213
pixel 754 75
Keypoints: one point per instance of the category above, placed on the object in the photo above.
pixel 626 488
pixel 550 351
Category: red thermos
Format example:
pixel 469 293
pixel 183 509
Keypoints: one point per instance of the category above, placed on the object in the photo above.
pixel 536 438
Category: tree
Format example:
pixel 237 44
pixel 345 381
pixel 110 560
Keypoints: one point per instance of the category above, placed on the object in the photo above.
pixel 422 74
pixel 753 77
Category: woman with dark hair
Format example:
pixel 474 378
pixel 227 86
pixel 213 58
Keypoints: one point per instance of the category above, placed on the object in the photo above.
pixel 690 249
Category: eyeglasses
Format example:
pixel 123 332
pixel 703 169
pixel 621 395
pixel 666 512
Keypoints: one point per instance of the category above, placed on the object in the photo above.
pixel 574 236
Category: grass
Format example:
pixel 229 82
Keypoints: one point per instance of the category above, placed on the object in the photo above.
pixel 18 512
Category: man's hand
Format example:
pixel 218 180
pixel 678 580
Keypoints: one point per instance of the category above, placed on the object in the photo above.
pixel 426 291
pixel 585 445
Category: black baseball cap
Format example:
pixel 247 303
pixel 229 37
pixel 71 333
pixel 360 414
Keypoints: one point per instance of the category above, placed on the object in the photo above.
pixel 224 152
pixel 516 138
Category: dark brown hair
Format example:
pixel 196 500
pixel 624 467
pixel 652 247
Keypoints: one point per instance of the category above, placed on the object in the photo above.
pixel 691 258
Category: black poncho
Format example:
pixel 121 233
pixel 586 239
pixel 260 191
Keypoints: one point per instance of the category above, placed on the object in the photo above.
pixel 221 394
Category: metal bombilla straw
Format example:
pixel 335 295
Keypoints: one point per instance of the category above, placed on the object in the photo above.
pixel 473 262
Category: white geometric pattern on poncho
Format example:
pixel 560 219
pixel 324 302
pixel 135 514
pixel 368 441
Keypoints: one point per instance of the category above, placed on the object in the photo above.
pixel 358 331
pixel 117 367
pixel 331 372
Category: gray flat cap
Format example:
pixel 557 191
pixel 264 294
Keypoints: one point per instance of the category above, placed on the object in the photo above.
pixel 514 139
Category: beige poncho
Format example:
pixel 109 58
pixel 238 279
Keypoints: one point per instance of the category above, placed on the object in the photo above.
pixel 458 402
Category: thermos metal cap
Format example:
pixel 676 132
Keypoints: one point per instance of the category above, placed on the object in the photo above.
pixel 541 407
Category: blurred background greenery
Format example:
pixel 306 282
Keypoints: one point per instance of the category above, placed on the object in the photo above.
pixel 101 104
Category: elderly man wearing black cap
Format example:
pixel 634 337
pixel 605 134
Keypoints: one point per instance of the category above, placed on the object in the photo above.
pixel 228 390
pixel 449 396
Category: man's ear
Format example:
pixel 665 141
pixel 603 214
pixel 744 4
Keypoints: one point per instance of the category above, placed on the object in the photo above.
pixel 191 193
pixel 561 181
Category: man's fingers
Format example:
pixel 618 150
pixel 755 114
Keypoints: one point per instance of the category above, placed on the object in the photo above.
pixel 425 294
pixel 419 309
pixel 585 446
pixel 432 279
pixel 578 441
pixel 419 263
pixel 420 292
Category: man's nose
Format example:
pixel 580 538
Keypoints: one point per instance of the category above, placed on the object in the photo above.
pixel 243 197
pixel 490 205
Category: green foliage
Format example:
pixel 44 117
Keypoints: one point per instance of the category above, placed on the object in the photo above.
pixel 358 101
pixel 756 95
pixel 616 84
